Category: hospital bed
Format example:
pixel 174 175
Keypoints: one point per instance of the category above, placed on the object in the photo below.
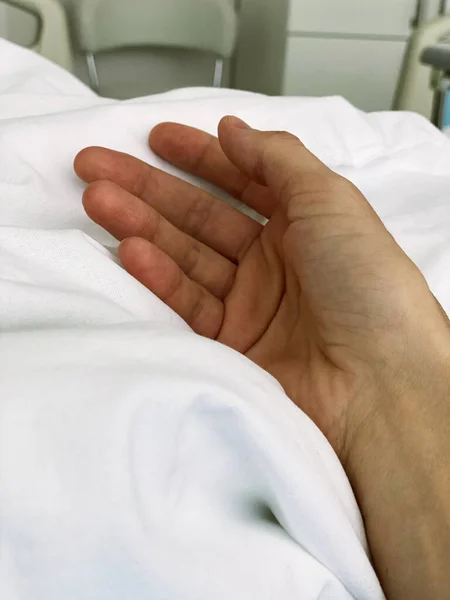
pixel 423 90
pixel 118 426
pixel 438 57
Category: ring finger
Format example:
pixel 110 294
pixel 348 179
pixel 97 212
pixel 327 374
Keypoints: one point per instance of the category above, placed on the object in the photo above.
pixel 124 216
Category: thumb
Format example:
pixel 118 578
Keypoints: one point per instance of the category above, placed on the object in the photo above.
pixel 332 224
pixel 296 177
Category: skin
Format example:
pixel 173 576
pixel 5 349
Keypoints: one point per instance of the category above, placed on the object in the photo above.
pixel 322 297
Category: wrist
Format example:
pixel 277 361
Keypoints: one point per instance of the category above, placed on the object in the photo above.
pixel 397 464
pixel 407 405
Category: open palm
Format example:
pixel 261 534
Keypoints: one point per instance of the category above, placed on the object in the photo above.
pixel 308 297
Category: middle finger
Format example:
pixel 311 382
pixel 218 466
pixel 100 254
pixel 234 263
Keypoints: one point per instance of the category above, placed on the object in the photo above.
pixel 125 216
pixel 192 210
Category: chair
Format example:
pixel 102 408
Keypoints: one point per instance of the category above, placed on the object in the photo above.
pixel 415 91
pixel 203 25
pixel 54 38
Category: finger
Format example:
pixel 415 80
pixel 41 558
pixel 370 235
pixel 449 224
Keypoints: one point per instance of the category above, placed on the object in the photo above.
pixel 297 178
pixel 199 153
pixel 442 311
pixel 124 216
pixel 202 311
pixel 190 209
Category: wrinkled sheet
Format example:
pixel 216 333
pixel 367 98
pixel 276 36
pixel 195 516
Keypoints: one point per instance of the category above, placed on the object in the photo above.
pixel 138 460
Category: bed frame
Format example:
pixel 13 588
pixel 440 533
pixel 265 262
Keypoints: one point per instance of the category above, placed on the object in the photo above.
pixel 53 41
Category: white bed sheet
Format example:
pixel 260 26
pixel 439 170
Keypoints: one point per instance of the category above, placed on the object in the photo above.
pixel 138 460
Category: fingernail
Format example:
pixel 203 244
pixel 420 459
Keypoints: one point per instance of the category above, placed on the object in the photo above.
pixel 238 123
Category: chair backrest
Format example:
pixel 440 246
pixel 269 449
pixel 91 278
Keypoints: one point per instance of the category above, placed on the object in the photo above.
pixel 414 91
pixel 204 25
pixel 54 38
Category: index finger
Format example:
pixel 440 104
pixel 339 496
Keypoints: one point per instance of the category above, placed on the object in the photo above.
pixel 192 210
pixel 200 154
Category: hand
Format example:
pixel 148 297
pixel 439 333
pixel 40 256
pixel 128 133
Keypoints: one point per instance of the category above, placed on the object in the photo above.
pixel 322 297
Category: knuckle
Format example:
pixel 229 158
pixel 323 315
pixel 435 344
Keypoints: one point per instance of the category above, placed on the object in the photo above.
pixel 150 227
pixel 140 185
pixel 172 288
pixel 197 215
pixel 197 310
pixel 227 283
pixel 200 160
pixel 191 260
pixel 337 184
pixel 284 136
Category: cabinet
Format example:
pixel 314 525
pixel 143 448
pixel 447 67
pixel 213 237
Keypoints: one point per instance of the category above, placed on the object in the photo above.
pixel 360 17
pixel 364 71
pixel 353 48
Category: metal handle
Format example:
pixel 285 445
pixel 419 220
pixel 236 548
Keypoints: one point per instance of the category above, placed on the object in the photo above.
pixel 437 57
pixel 422 13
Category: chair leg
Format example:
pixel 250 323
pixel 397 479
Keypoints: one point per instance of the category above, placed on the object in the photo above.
pixel 92 71
pixel 218 72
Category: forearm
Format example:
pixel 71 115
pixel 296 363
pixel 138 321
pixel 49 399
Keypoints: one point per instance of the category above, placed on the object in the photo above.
pixel 400 471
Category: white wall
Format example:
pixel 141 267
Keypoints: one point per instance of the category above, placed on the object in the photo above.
pixel 3 21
